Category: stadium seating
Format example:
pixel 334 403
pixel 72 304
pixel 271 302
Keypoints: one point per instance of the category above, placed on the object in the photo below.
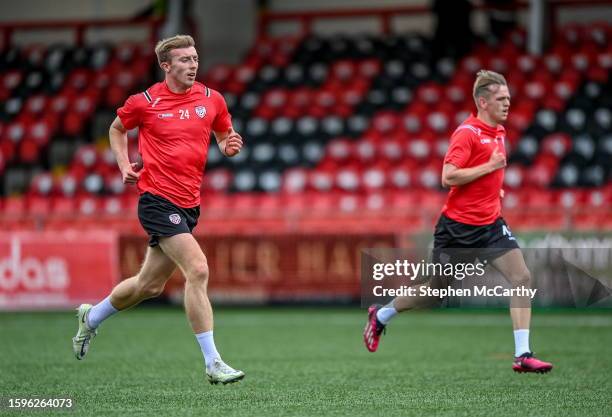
pixel 338 130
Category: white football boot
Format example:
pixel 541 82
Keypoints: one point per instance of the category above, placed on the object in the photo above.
pixel 80 342
pixel 220 372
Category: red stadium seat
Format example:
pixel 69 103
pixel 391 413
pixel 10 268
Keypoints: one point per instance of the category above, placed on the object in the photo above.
pixel 343 70
pixel 13 208
pixel 339 150
pixel 392 150
pixel 28 151
pixel 38 205
pixel 295 180
pixel 539 199
pixel 385 123
pixel 514 176
pixel 374 178
pixel 215 204
pixel 88 205
pixel 63 206
pixel 348 178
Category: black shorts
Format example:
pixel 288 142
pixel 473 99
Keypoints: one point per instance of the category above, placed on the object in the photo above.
pixel 160 217
pixel 460 242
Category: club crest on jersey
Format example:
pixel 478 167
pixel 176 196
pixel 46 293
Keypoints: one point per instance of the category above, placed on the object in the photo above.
pixel 175 218
pixel 200 111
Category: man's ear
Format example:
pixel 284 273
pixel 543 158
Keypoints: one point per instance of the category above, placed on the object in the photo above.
pixel 165 66
pixel 482 101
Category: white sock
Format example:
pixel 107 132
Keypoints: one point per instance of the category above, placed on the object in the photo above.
pixel 209 350
pixel 100 312
pixel 521 342
pixel 386 313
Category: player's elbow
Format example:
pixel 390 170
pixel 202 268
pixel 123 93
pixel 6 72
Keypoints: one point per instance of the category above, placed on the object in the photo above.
pixel 444 182
pixel 451 176
pixel 116 128
pixel 448 180
pixel 113 132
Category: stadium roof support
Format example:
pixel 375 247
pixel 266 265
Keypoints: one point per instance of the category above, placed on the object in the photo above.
pixel 536 26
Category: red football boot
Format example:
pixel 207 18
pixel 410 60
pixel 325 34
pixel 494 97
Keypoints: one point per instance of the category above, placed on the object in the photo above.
pixel 527 362
pixel 373 329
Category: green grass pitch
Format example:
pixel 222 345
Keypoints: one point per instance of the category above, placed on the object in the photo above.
pixel 311 362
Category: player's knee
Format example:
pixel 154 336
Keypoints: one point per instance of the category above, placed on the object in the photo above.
pixel 522 279
pixel 151 290
pixel 198 274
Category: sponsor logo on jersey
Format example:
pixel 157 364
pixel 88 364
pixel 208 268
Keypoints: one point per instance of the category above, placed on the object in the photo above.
pixel 175 218
pixel 165 115
pixel 200 111
pixel 485 140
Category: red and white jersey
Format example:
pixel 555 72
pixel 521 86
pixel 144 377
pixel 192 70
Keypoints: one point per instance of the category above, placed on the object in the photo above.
pixel 174 134
pixel 478 202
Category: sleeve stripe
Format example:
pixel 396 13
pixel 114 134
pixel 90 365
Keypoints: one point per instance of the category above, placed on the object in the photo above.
pixel 147 96
pixel 472 128
pixel 207 91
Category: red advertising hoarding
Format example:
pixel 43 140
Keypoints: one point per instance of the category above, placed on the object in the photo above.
pixel 42 270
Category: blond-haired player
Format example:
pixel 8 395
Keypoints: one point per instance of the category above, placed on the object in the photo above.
pixel 471 218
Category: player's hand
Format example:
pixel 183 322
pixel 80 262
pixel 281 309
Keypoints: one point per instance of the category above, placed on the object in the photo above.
pixel 131 173
pixel 502 193
pixel 497 159
pixel 233 143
